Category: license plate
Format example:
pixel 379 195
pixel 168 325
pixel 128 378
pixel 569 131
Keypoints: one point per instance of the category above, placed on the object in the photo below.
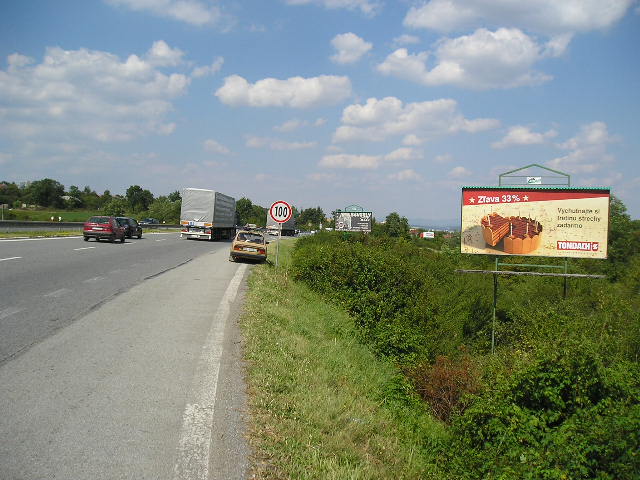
pixel 97 228
pixel 194 230
pixel 249 249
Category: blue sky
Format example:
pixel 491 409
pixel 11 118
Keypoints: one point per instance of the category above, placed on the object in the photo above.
pixel 389 105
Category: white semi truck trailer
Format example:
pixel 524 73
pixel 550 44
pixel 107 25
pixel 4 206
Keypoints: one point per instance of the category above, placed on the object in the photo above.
pixel 207 214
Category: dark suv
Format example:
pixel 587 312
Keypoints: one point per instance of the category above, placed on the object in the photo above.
pixel 131 227
pixel 100 227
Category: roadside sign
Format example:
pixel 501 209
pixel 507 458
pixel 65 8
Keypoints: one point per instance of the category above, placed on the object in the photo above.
pixel 280 211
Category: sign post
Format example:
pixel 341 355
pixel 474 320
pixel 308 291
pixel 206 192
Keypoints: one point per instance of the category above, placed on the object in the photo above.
pixel 280 212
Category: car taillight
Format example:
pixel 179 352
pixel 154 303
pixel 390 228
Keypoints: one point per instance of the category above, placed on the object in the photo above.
pixel 262 251
pixel 185 229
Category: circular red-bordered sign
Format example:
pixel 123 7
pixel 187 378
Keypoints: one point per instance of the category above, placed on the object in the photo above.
pixel 280 211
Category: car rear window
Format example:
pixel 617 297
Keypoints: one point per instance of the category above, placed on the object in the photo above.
pixel 251 237
pixel 98 220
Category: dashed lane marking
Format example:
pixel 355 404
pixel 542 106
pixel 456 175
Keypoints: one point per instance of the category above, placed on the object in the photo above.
pixel 83 248
pixel 7 312
pixel 57 293
pixel 9 258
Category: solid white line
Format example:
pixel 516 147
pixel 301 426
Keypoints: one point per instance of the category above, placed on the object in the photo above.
pixel 9 258
pixel 161 240
pixel 34 239
pixel 195 436
pixel 8 312
pixel 83 248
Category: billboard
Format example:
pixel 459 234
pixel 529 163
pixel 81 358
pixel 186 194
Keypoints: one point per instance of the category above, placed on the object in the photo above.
pixel 537 221
pixel 353 221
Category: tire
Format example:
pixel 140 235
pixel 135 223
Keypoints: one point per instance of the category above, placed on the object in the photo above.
pixel 139 236
pixel 232 258
pixel 86 239
pixel 112 239
pixel 122 239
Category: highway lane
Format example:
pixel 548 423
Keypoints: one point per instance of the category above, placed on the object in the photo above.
pixel 46 284
pixel 146 385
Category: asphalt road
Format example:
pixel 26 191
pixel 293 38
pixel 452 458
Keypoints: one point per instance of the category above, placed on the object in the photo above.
pixel 48 283
pixel 120 360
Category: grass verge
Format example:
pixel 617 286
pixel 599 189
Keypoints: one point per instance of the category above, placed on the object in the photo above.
pixel 40 233
pixel 322 406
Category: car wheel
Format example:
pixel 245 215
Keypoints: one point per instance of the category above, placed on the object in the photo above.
pixel 139 236
pixel 97 239
pixel 122 239
pixel 86 239
pixel 232 258
pixel 112 238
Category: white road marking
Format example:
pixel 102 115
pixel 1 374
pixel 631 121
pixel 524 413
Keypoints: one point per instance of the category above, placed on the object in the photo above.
pixel 57 293
pixel 9 258
pixel 161 240
pixel 83 248
pixel 195 436
pixel 94 279
pixel 7 312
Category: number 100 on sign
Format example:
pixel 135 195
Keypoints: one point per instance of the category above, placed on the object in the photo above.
pixel 280 211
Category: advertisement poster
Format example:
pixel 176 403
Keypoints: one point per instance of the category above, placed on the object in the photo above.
pixel 544 222
pixel 353 221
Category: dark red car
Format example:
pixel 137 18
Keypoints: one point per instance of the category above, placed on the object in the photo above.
pixel 103 227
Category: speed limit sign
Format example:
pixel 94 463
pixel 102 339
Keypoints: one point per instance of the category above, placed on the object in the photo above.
pixel 280 211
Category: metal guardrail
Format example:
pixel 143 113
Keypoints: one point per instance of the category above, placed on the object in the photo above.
pixel 7 226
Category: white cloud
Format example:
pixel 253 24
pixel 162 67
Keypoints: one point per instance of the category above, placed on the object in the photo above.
pixel 194 12
pixel 405 175
pixel 444 158
pixel 350 48
pixel 412 140
pixel 545 16
pixel 275 144
pixel 403 154
pixel 377 120
pixel 87 94
pixel 406 40
pixel 482 60
pixel 295 124
pixel 215 67
pixel 162 55
pixel 521 135
pixel 587 150
pixel 368 162
pixel 344 160
pixel 368 7
pixel 295 92
pixel 214 146
pixel 459 172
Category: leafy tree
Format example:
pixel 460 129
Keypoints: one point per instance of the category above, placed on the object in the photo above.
pixel 138 199
pixel 311 218
pixel 9 192
pixel 165 210
pixel 115 207
pixel 396 226
pixel 76 199
pixel 174 196
pixel 248 212
pixel 90 198
pixel 46 193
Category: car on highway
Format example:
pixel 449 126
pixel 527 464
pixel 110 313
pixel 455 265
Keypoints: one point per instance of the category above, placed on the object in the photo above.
pixel 103 227
pixel 131 227
pixel 249 245
pixel 149 221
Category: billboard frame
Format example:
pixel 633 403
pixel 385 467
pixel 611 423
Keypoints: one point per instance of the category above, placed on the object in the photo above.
pixel 496 272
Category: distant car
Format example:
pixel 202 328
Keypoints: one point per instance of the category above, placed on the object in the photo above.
pixel 103 227
pixel 248 245
pixel 149 221
pixel 131 227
